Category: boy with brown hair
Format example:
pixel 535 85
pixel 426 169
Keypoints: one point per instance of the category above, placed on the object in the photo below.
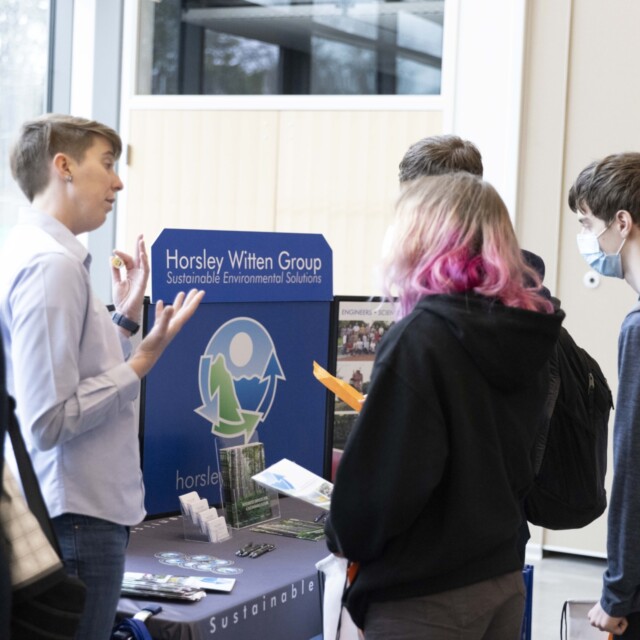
pixel 438 155
pixel 606 198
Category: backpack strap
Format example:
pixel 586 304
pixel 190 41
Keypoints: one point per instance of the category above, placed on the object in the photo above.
pixel 135 627
pixel 30 484
pixel 553 391
pixel 130 627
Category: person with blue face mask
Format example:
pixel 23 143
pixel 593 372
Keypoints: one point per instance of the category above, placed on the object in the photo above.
pixel 607 264
pixel 606 198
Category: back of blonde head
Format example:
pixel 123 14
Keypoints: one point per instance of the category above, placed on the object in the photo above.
pixel 452 235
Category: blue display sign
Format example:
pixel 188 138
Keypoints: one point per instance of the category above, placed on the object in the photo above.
pixel 242 369
pixel 241 266
pixel 237 373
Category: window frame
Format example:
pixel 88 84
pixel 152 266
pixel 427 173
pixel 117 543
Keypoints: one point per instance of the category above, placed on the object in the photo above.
pixel 135 101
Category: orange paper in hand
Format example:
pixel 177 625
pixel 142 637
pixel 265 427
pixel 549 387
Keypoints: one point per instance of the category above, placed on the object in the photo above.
pixel 342 389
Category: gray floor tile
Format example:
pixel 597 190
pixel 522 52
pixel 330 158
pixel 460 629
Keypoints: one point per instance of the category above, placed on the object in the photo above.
pixel 557 578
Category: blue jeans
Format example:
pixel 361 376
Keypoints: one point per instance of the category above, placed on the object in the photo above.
pixel 94 551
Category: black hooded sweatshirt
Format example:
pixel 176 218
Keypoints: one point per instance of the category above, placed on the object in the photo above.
pixel 428 492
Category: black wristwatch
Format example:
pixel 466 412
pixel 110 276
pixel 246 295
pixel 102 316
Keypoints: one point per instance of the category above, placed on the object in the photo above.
pixel 125 323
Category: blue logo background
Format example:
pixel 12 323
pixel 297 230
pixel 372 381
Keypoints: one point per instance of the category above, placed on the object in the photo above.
pixel 179 448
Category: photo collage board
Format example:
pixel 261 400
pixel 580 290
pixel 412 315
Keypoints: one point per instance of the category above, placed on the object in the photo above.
pixel 358 324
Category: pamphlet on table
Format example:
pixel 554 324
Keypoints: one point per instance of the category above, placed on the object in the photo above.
pixel 168 587
pixel 293 480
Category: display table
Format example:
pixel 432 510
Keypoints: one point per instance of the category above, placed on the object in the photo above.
pixel 277 595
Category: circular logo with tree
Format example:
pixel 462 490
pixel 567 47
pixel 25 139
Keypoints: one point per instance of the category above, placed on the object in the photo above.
pixel 238 378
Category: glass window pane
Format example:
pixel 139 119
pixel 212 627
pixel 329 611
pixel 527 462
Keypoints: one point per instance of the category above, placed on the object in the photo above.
pixel 339 68
pixel 416 78
pixel 166 48
pixel 267 47
pixel 357 19
pixel 420 34
pixel 234 65
pixel 24 41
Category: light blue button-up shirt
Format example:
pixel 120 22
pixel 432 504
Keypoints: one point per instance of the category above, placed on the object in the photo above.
pixel 66 368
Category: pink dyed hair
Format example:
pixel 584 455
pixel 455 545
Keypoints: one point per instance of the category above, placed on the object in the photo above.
pixel 453 234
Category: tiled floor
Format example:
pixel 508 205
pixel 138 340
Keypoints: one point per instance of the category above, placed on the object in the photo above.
pixel 557 578
pixel 560 577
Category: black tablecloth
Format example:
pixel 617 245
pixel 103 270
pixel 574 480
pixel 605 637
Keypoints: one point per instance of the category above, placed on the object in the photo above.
pixel 276 597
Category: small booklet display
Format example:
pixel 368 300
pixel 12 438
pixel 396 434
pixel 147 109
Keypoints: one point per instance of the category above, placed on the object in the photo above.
pixel 200 521
pixel 245 502
pixel 342 389
pixel 293 480
pixel 166 587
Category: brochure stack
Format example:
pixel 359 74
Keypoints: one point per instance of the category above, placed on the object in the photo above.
pixel 245 502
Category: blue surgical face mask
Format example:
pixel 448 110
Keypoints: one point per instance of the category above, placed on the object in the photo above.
pixel 605 264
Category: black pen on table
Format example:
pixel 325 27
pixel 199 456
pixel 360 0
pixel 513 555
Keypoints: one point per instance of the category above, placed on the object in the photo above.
pixel 262 550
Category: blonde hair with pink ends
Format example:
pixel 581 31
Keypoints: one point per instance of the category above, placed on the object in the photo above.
pixel 452 234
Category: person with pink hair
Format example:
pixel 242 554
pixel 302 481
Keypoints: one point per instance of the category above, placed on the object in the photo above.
pixel 427 497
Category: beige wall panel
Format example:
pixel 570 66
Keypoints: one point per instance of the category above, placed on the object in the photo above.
pixel 601 118
pixel 338 175
pixel 201 170
pixel 542 133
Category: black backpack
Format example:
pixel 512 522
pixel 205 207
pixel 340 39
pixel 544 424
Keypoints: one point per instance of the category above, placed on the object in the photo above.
pixel 570 458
